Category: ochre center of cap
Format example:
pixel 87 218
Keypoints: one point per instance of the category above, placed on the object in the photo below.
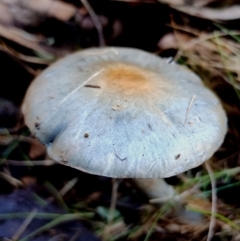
pixel 128 78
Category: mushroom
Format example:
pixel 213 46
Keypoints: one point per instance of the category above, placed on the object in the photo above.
pixel 125 113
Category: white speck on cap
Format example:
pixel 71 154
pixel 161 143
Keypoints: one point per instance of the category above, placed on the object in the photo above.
pixel 122 112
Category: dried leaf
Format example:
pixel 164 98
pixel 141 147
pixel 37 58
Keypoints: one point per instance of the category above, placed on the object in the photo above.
pixel 31 13
pixel 229 13
pixel 52 8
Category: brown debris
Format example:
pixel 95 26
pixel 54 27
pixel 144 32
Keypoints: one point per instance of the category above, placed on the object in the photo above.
pixel 31 13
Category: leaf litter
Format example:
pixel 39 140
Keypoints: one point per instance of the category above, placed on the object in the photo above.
pixel 212 52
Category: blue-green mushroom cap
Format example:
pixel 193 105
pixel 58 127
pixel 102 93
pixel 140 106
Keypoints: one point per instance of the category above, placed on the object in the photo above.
pixel 123 112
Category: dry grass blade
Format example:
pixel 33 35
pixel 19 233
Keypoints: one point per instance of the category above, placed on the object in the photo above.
pixel 13 181
pixel 115 229
pixel 228 13
pixel 214 202
pixel 59 220
pixel 6 138
pixel 23 38
pixel 24 225
pixel 18 57
pixel 30 59
pixel 113 200
pixel 189 108
pixel 213 53
pixel 178 198
pixel 198 3
pixel 109 226
pixel 173 2
pixel 96 22
pixel 31 163
pixel 204 40
pixel 68 186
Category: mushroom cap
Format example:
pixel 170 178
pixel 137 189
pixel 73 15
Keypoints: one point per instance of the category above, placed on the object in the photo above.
pixel 123 112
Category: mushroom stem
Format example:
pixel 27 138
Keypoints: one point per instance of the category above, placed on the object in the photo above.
pixel 160 192
pixel 155 188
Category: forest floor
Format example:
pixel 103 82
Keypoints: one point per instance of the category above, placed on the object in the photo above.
pixel 43 200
